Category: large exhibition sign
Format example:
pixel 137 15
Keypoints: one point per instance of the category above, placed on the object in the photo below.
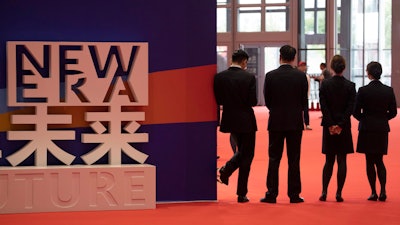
pixel 99 84
pixel 57 74
pixel 99 78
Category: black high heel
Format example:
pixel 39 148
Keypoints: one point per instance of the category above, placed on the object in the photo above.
pixel 339 198
pixel 382 197
pixel 322 198
pixel 373 197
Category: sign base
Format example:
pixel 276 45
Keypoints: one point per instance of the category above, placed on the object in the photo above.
pixel 77 188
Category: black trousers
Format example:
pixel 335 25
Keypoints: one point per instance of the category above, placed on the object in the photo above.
pixel 306 115
pixel 242 160
pixel 275 151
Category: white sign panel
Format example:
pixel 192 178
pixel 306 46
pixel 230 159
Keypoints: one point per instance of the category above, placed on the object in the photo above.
pixel 77 73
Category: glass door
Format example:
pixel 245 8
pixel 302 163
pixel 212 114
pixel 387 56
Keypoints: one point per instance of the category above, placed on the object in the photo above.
pixel 262 59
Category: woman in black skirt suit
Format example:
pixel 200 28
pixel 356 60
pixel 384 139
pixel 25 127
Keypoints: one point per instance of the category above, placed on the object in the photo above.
pixel 375 106
pixel 337 97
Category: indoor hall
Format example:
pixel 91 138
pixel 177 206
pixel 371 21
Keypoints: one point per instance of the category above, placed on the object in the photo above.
pixel 180 115
pixel 360 31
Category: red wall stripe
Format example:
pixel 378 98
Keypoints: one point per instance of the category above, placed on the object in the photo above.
pixel 175 96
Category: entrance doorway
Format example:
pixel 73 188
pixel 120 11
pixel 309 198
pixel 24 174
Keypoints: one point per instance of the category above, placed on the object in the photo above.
pixel 262 59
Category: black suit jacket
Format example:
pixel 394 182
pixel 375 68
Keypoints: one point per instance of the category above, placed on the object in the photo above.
pixel 285 93
pixel 337 97
pixel 375 106
pixel 235 90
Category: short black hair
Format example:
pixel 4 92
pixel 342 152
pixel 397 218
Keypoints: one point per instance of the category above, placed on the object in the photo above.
pixel 374 69
pixel 323 65
pixel 239 55
pixel 338 64
pixel 287 53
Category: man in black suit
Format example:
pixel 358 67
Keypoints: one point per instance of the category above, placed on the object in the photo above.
pixel 235 90
pixel 285 93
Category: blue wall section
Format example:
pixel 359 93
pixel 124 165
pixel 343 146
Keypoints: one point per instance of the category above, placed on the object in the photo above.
pixel 181 34
pixel 186 169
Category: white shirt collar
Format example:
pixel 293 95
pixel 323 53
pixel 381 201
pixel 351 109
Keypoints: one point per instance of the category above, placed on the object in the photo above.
pixel 235 65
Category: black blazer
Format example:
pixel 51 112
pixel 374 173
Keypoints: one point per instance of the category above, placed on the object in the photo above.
pixel 375 106
pixel 337 97
pixel 285 93
pixel 235 90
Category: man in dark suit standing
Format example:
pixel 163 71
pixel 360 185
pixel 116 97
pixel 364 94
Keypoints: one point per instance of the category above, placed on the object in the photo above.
pixel 285 93
pixel 235 91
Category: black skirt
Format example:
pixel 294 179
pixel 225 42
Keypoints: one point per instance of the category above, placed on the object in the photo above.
pixel 372 142
pixel 337 144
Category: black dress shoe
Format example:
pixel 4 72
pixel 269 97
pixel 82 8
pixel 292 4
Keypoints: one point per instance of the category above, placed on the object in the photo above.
pixel 382 197
pixel 242 199
pixel 373 197
pixel 339 198
pixel 322 198
pixel 296 199
pixel 269 198
pixel 223 177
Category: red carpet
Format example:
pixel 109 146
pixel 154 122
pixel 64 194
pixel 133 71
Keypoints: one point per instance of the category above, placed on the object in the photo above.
pixel 354 210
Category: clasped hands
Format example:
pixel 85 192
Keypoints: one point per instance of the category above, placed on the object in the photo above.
pixel 335 130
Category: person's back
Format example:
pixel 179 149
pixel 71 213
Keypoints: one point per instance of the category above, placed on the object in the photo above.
pixel 375 106
pixel 340 93
pixel 285 96
pixel 235 92
pixel 233 88
pixel 285 93
pixel 379 98
pixel 337 95
pixel 376 103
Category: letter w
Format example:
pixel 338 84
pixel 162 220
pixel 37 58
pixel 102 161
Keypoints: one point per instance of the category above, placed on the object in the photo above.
pixel 114 51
